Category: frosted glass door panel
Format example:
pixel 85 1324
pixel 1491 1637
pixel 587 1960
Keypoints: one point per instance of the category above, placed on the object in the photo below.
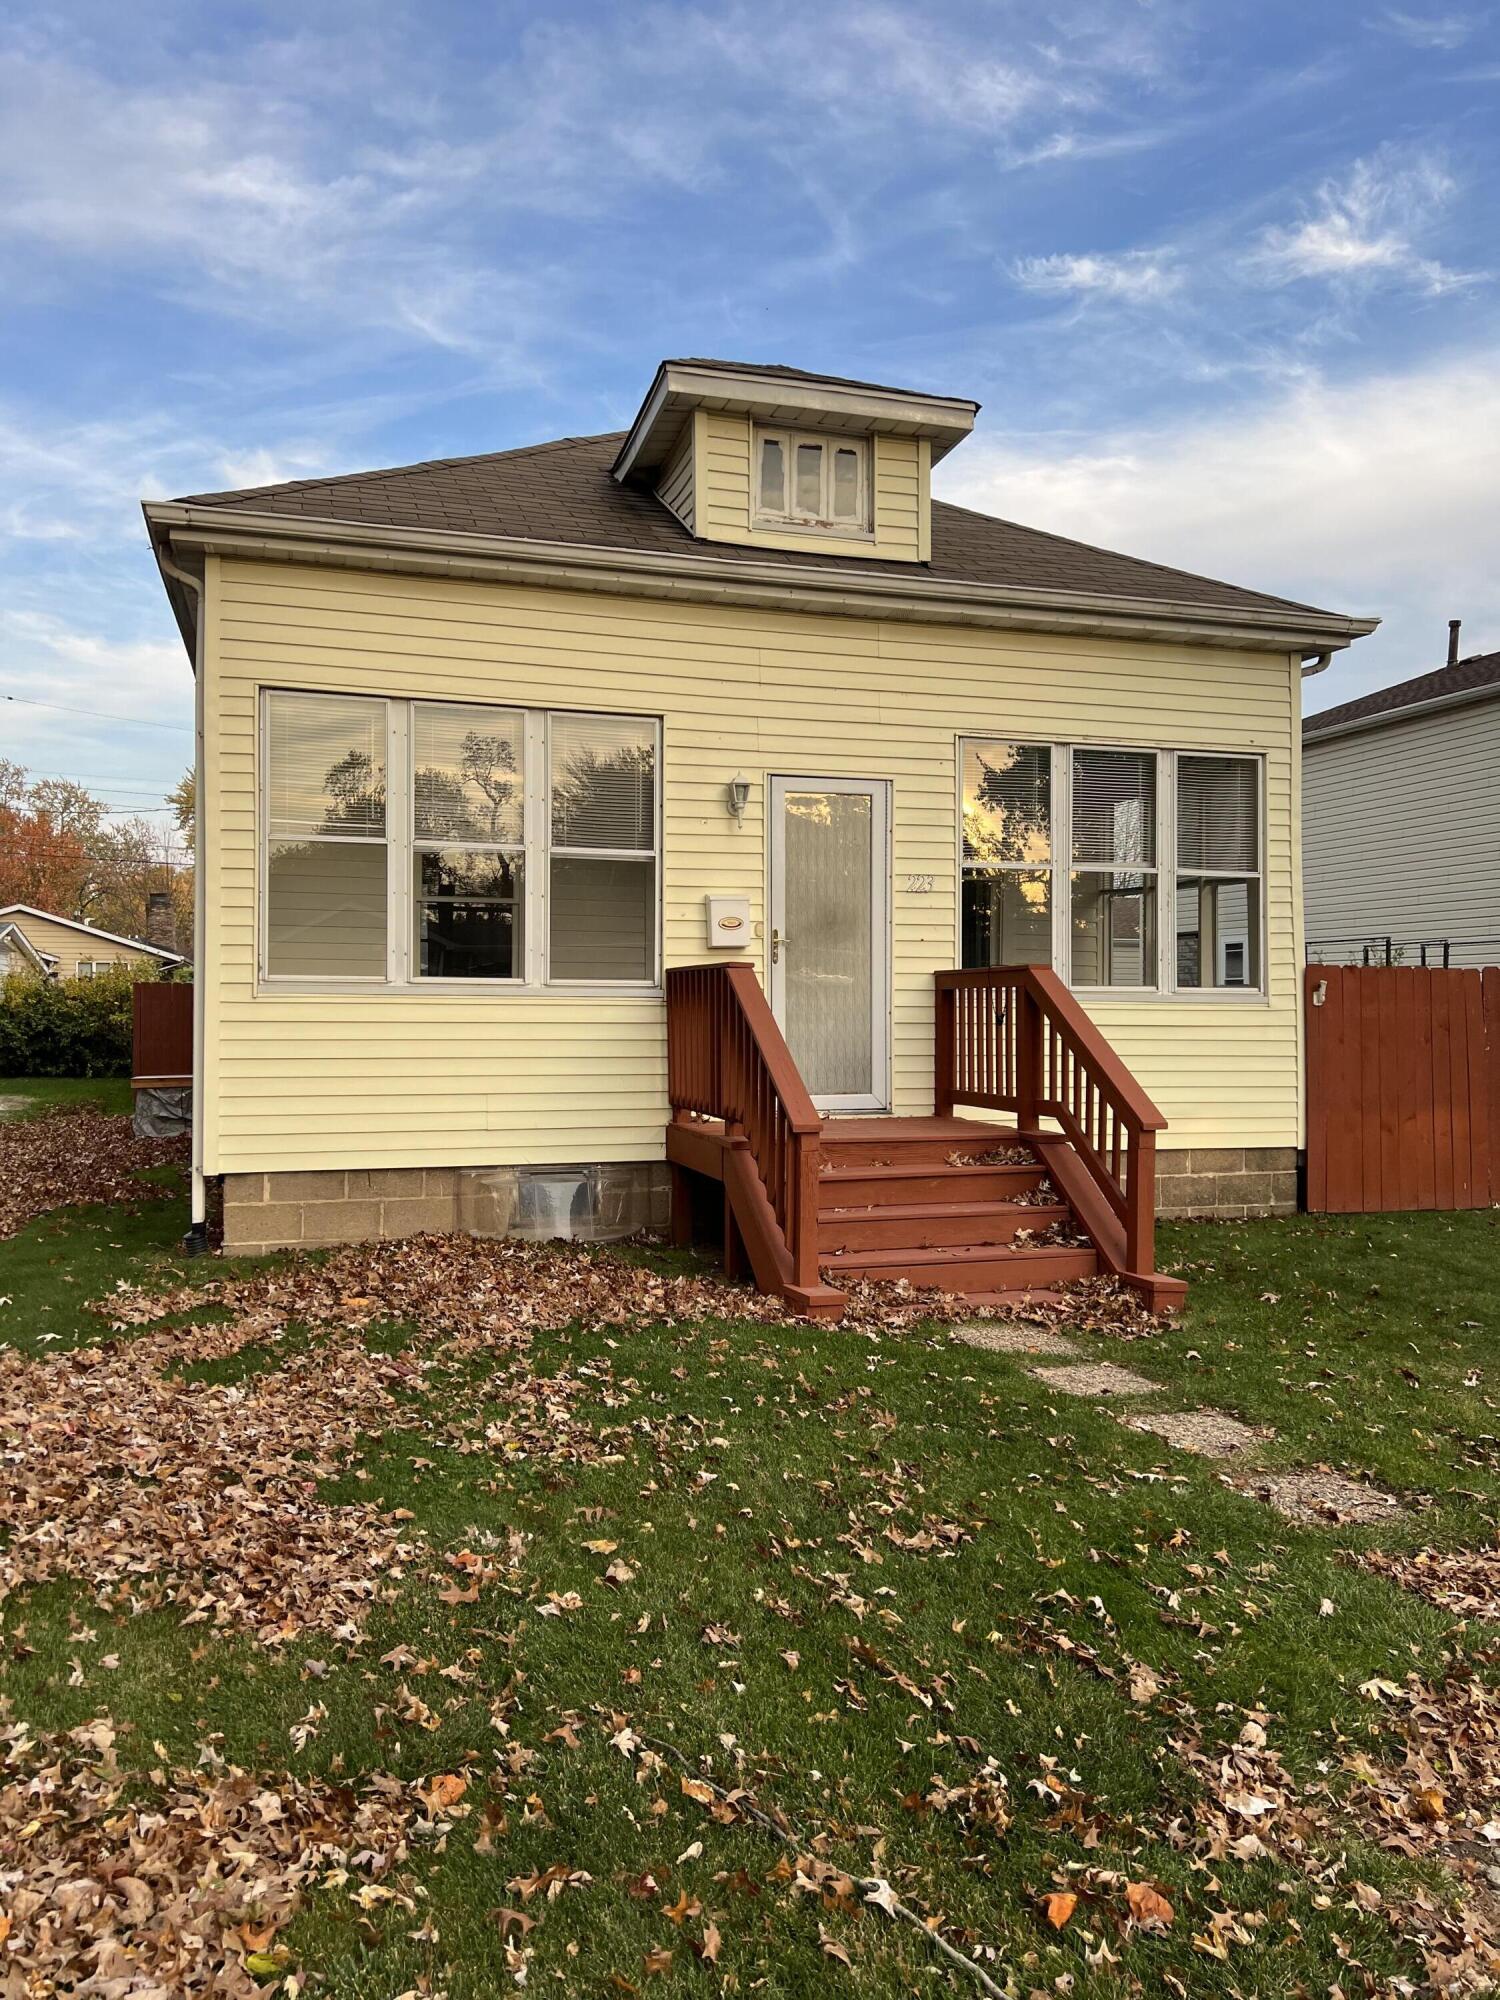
pixel 829 930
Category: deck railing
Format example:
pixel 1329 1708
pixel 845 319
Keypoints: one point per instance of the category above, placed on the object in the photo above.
pixel 726 1058
pixel 1013 1038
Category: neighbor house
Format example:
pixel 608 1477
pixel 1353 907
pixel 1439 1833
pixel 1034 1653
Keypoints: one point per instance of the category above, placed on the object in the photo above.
pixel 65 948
pixel 491 748
pixel 1401 820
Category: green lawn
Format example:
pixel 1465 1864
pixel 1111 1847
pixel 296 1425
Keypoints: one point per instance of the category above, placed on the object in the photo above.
pixel 856 1571
pixel 47 1093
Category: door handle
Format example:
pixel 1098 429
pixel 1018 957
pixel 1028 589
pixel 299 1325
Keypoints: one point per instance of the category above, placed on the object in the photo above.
pixel 777 941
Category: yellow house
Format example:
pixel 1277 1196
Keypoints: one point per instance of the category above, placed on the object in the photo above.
pixel 490 748
pixel 65 948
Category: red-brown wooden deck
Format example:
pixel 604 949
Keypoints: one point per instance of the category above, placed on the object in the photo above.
pixel 963 1204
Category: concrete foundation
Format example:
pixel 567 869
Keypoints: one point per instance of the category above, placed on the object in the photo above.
pixel 1228 1181
pixel 315 1209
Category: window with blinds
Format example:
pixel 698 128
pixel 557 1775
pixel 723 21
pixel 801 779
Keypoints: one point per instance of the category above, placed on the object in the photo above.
pixel 326 869
pixel 1112 895
pixel 1218 890
pixel 1131 869
pixel 602 907
pixel 493 814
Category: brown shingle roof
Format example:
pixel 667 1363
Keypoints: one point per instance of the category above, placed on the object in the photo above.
pixel 564 492
pixel 800 375
pixel 1470 676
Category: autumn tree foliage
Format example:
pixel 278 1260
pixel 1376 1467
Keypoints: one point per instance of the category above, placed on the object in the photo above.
pixel 61 851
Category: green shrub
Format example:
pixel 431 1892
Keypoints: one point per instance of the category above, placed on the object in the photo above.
pixel 67 1027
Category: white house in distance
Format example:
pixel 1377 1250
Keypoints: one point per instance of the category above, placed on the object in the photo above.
pixel 1401 820
pixel 65 948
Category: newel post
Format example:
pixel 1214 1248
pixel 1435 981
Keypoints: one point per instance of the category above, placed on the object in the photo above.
pixel 803 1218
pixel 1140 1203
pixel 1028 1055
pixel 944 1049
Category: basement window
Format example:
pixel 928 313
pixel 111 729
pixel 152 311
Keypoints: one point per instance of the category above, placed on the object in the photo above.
pixel 804 479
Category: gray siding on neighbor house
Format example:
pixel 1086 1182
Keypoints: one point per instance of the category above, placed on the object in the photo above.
pixel 1401 830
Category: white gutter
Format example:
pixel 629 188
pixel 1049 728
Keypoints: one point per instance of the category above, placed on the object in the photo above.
pixel 197 1237
pixel 703 577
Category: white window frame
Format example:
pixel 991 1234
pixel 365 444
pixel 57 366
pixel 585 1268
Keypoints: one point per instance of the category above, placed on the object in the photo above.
pixel 1062 868
pixel 1256 944
pixel 861 528
pixel 401 975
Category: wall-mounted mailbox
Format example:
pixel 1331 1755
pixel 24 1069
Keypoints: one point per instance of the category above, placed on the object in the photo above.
pixel 728 919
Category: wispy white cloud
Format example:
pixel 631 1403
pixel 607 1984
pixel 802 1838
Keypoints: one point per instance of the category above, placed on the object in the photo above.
pixel 1429 31
pixel 1373 495
pixel 1367 226
pixel 1133 276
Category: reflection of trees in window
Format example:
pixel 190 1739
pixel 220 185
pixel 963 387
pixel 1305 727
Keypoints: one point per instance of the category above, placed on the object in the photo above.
pixel 474 802
pixel 1007 809
pixel 356 795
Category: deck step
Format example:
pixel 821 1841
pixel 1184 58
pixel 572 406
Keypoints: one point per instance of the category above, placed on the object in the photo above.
pixel 919 1225
pixel 967 1268
pixel 865 1186
pixel 879 1148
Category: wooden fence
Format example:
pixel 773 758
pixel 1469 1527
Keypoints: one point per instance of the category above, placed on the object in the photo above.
pixel 163 1042
pixel 1403 1088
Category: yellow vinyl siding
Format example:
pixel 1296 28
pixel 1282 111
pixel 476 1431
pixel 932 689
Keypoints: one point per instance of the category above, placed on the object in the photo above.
pixel 902 502
pixel 675 487
pixel 451 1077
pixel 70 947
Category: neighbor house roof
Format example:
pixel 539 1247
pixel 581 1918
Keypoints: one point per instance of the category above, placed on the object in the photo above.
pixel 563 493
pixel 89 930
pixel 1473 679
pixel 12 934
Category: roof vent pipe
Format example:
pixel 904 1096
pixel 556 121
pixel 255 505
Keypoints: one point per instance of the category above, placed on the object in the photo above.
pixel 1453 627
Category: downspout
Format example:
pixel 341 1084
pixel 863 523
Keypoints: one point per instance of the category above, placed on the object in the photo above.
pixel 1315 663
pixel 195 1243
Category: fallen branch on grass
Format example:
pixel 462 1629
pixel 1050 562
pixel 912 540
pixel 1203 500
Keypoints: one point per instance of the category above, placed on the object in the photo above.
pixel 874 1888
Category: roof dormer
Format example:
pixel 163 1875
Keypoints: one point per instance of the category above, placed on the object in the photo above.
pixel 781 459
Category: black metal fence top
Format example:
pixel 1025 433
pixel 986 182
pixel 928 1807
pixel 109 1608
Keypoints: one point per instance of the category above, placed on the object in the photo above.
pixel 1374 948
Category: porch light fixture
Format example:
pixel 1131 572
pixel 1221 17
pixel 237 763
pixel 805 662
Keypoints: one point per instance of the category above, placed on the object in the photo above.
pixel 737 794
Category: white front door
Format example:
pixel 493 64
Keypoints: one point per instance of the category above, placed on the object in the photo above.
pixel 828 943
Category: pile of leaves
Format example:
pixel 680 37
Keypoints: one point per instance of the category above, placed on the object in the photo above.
pixel 1463 1581
pixel 112 1888
pixel 150 1489
pixel 475 1290
pixel 71 1157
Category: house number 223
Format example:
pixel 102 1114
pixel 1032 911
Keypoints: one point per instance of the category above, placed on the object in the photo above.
pixel 919 885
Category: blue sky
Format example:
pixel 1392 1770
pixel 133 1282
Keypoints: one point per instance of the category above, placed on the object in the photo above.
pixel 1224 276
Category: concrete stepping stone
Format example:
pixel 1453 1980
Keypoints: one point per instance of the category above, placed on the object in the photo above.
pixel 1320 1498
pixel 1005 1337
pixel 1209 1433
pixel 1095 1378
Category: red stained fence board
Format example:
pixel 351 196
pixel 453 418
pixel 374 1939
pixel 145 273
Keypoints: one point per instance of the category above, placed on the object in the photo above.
pixel 163 1045
pixel 1403 1088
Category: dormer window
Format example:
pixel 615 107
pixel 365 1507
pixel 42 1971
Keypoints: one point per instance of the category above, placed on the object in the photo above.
pixel 809 480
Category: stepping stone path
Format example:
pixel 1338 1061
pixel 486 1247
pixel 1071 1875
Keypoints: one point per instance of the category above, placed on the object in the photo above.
pixel 1316 1496
pixel 1096 1378
pixel 1001 1337
pixel 1208 1432
pixel 1320 1498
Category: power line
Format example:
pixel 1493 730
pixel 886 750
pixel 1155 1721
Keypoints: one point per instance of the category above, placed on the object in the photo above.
pixel 100 715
